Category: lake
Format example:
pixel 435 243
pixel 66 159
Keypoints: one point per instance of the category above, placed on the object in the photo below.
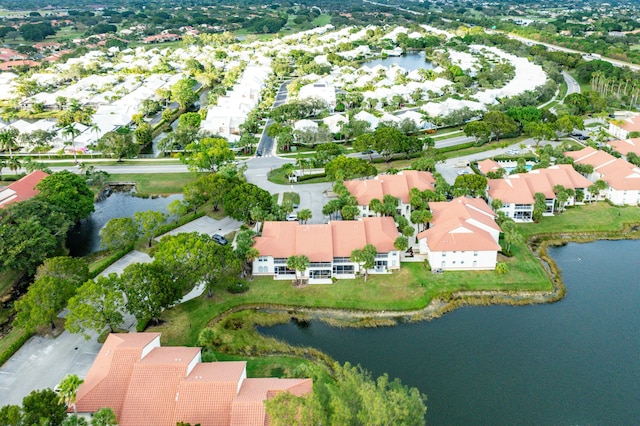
pixel 411 61
pixel 85 237
pixel 574 362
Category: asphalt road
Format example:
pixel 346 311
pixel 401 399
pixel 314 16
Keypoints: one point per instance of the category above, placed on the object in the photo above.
pixel 572 84
pixel 267 146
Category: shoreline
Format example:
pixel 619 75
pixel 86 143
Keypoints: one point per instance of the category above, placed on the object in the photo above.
pixel 438 306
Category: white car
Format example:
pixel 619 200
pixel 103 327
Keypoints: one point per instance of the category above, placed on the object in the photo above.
pixel 291 217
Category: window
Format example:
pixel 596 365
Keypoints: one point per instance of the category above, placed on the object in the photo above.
pixel 444 254
pixel 343 269
pixel 475 253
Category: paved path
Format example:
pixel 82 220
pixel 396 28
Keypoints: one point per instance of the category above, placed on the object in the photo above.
pixel 207 225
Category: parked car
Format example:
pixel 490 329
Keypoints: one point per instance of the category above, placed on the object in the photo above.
pixel 259 153
pixel 220 239
pixel 292 216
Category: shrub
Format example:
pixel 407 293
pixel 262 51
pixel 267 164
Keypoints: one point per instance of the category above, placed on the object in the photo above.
pixel 502 268
pixel 13 348
pixel 238 287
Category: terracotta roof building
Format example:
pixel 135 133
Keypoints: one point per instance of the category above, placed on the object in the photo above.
pixel 463 235
pixel 328 247
pixel 488 165
pixel 622 128
pixel 517 191
pixel 625 146
pixel 146 384
pixel 398 185
pixel 22 189
pixel 621 177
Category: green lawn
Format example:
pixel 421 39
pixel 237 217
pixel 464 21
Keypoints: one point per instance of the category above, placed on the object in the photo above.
pixel 321 20
pixel 291 197
pixel 595 217
pixel 157 183
pixel 448 136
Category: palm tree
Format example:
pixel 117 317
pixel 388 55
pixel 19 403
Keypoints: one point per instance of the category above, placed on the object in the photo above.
pixel 14 164
pixel 251 255
pixel 95 129
pixel 70 131
pixel 8 139
pixel 3 164
pixel 68 389
pixel 298 264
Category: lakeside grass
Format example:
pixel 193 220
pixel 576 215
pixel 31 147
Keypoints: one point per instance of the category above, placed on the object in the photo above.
pixel 157 183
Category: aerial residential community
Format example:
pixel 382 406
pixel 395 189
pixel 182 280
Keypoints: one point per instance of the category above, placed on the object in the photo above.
pixel 254 213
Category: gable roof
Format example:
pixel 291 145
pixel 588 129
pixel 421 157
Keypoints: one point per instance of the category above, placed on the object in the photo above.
pixel 520 188
pixel 488 165
pixel 22 189
pixel 461 225
pixel 621 175
pixel 630 124
pixel 591 156
pixel 147 384
pixel 323 242
pixel 398 185
pixel 625 146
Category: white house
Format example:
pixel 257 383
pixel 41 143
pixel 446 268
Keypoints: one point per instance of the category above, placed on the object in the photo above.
pixel 463 236
pixel 320 90
pixel 335 122
pixel 622 128
pixel 328 247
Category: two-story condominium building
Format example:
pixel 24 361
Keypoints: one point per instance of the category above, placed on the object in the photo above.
pixel 625 146
pixel 463 235
pixel 622 128
pixel 398 185
pixel 147 384
pixel 621 177
pixel 517 191
pixel 328 247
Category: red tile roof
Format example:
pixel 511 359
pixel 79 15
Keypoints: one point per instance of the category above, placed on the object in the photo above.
pixel 397 185
pixel 146 384
pixel 626 146
pixel 323 242
pixel 22 189
pixel 461 225
pixel 488 165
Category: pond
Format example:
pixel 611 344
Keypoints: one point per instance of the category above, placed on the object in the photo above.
pixel 574 362
pixel 85 237
pixel 411 61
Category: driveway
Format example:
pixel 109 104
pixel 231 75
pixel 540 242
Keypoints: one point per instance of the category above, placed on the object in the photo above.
pixel 207 225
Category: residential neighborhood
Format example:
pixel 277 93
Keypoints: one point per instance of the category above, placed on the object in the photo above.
pixel 195 197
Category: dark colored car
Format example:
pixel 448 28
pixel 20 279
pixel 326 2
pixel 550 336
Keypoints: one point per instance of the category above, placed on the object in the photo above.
pixel 220 239
pixel 259 153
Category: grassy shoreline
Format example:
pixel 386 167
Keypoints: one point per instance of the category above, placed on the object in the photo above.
pixel 413 294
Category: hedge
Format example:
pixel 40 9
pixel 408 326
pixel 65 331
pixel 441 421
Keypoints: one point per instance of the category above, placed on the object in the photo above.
pixel 13 348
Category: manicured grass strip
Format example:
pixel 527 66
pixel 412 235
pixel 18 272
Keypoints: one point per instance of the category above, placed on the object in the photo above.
pixel 157 183
pixel 10 343
pixel 291 197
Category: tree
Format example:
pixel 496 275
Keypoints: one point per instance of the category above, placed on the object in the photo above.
pixel 144 134
pixel 8 137
pixel 190 119
pixel 470 184
pixel 304 215
pixel 97 305
pixel 68 390
pixel 73 269
pixel 401 243
pixel 421 218
pixel 344 168
pixel 69 192
pixel 30 232
pixel 118 233
pixel 539 206
pixel 500 123
pixel 365 258
pixel 118 144
pixel 43 407
pixel 208 154
pixel 104 417
pixel 349 396
pixel 40 305
pixel 299 264
pixel 183 92
pixel 182 255
pixel 478 129
pixel 388 141
pixel 239 201
pixel 149 289
pixel 349 212
pixel 71 132
pixel 177 208
pixel 510 234
pixel 148 222
pixel 11 415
